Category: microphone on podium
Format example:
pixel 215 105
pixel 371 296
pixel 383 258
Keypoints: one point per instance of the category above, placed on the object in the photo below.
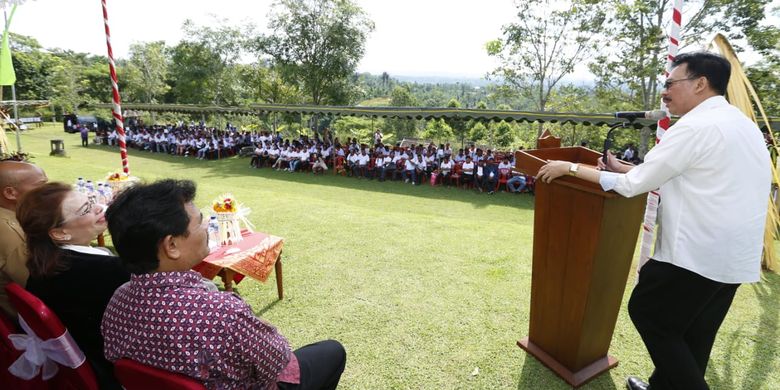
pixel 633 115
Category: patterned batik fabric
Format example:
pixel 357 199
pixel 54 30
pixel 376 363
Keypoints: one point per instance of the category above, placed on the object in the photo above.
pixel 172 321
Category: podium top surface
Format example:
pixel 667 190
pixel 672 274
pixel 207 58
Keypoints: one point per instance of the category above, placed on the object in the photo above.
pixel 530 161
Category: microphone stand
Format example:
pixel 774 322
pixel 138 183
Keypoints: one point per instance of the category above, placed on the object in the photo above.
pixel 608 140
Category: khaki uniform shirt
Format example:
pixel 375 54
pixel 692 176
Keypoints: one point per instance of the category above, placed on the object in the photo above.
pixel 13 257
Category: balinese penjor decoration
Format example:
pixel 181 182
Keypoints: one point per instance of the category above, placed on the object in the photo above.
pixel 120 181
pixel 230 214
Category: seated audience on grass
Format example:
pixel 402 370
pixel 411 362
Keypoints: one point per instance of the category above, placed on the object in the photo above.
pixel 16 179
pixel 360 169
pixel 460 157
pixel 318 164
pixel 160 235
pixel 410 170
pixel 479 173
pixel 504 165
pixel 490 177
pixel 420 168
pixel 386 165
pixel 74 279
pixel 468 171
pixel 430 162
pixel 400 165
pixel 445 170
pixel 352 162
pixel 516 183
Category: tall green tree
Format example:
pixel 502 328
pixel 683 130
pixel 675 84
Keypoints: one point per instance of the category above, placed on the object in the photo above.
pixel 203 68
pixel 544 44
pixel 402 128
pixel 33 68
pixel 629 68
pixel 317 43
pixel 146 71
pixel 458 126
pixel 437 130
pixel 65 86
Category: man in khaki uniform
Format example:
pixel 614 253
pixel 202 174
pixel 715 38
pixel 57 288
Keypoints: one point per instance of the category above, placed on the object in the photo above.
pixel 16 179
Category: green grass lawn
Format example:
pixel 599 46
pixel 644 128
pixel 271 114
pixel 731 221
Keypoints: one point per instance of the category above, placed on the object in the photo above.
pixel 422 285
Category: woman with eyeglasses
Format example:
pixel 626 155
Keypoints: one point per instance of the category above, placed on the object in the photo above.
pixel 73 278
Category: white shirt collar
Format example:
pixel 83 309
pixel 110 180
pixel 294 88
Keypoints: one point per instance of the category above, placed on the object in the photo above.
pixel 88 250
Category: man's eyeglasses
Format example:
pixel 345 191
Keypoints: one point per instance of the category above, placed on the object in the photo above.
pixel 668 84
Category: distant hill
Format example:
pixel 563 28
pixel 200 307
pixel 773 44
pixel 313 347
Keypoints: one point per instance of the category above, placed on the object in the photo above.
pixel 474 81
pixel 478 82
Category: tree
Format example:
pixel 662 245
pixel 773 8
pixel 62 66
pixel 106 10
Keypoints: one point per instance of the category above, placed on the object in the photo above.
pixel 203 64
pixel 403 128
pixel 458 126
pixel 437 130
pixel 192 66
pixel 65 86
pixel 146 71
pixel 546 42
pixel 503 133
pixel 317 43
pixel 628 70
pixel 478 133
pixel 765 78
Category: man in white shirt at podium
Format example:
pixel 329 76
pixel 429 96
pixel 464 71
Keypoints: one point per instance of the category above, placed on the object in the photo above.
pixel 713 171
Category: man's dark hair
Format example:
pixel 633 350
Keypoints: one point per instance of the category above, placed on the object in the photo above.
pixel 715 68
pixel 143 215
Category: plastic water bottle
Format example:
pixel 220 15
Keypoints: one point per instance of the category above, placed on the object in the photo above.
pixel 213 231
pixel 108 192
pixel 90 187
pixel 80 185
pixel 101 196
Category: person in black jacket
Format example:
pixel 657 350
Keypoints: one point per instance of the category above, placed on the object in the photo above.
pixel 73 279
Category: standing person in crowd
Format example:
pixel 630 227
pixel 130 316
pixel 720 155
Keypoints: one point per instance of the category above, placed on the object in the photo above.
pixel 74 279
pixel 714 177
pixel 160 235
pixel 84 131
pixel 460 157
pixel 16 179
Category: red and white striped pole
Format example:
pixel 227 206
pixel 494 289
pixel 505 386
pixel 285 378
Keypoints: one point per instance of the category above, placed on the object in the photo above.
pixel 653 198
pixel 117 110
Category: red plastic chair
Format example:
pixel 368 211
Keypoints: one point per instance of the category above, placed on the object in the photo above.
pixel 45 324
pixel 339 166
pixel 457 171
pixel 503 177
pixel 136 376
pixel 8 355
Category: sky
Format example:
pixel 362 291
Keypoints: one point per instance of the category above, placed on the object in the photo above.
pixel 412 37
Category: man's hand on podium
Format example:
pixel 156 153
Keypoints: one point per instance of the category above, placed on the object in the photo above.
pixel 553 170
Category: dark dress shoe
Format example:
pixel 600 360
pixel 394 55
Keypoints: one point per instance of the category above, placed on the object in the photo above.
pixel 634 383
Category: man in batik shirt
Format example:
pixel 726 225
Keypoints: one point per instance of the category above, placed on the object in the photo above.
pixel 169 317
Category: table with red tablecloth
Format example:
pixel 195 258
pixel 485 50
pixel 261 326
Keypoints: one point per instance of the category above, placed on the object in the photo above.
pixel 254 256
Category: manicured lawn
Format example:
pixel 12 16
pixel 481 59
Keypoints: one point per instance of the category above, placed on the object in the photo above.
pixel 422 285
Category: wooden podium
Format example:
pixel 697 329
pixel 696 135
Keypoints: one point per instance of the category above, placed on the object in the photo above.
pixel 584 241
